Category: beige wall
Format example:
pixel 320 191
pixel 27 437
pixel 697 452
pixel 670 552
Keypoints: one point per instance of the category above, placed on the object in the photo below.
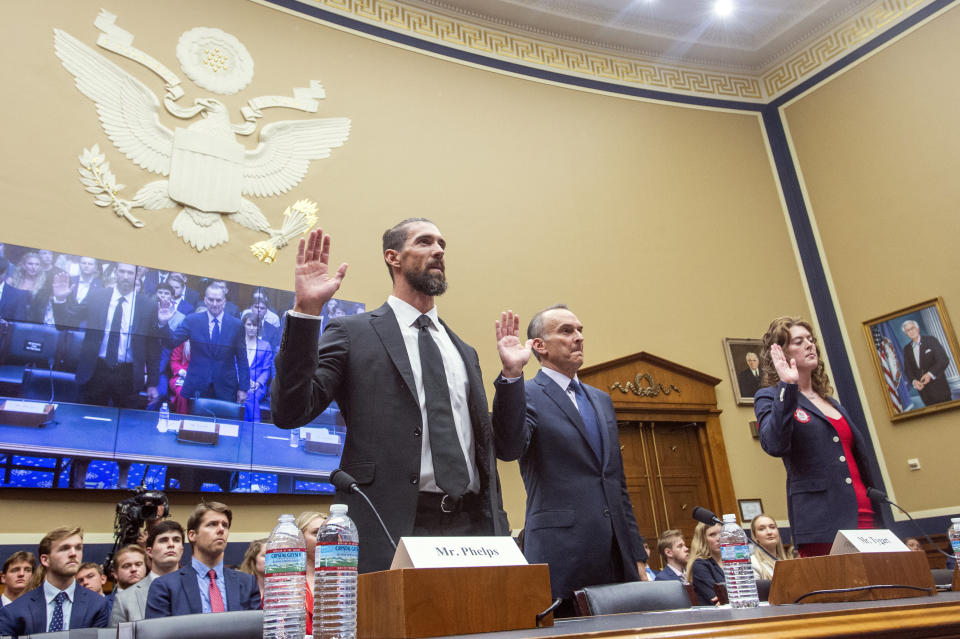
pixel 660 225
pixel 877 147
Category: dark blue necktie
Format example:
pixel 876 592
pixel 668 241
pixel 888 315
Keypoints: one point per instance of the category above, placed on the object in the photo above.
pixel 449 465
pixel 589 418
pixel 56 622
pixel 215 333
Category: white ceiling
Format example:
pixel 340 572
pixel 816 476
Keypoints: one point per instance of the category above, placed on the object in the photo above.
pixel 755 35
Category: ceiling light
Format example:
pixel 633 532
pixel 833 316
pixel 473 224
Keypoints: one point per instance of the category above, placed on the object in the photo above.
pixel 723 8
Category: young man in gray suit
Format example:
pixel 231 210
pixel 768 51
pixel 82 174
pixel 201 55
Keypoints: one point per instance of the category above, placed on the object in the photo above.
pixel 164 548
pixel 579 516
pixel 419 440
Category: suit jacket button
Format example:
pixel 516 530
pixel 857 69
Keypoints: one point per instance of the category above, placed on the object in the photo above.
pixel 843 458
pixel 414 479
pixel 848 480
pixel 606 512
pixel 835 438
pixel 417 432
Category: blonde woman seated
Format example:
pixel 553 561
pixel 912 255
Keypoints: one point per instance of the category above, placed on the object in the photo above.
pixel 253 562
pixel 309 523
pixel 768 547
pixel 705 567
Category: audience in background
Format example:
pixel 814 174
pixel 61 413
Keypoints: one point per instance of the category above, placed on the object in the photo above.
pixel 59 603
pixel 913 544
pixel 768 547
pixel 253 562
pixel 129 566
pixel 178 282
pixel 706 569
pixel 260 361
pixel 204 585
pixel 674 555
pixel 309 522
pixel 30 276
pixel 91 576
pixel 17 571
pixel 164 548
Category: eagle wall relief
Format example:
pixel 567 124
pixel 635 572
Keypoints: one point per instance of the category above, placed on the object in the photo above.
pixel 208 172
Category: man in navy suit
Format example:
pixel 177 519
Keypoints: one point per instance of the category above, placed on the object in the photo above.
pixel 579 517
pixel 674 554
pixel 121 343
pixel 218 352
pixel 204 585
pixel 59 603
pixel 925 364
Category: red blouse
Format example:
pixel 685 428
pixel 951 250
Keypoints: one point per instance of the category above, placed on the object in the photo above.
pixel 864 507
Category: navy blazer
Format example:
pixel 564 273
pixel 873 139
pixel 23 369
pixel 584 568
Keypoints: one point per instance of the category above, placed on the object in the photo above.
pixel 703 576
pixel 667 574
pixel 361 361
pixel 223 364
pixel 178 593
pixel 14 303
pixel 819 500
pixel 27 615
pixel 577 503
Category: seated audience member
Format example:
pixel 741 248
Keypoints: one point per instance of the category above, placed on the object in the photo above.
pixel 181 301
pixel 179 361
pixel 91 576
pixel 260 360
pixel 253 564
pixel 768 547
pixel 309 523
pixel 706 569
pixel 30 276
pixel 164 549
pixel 129 567
pixel 674 554
pixel 204 585
pixel 17 571
pixel 913 544
pixel 88 279
pixel 59 603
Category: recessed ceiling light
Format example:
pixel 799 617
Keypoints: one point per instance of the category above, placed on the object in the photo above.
pixel 723 8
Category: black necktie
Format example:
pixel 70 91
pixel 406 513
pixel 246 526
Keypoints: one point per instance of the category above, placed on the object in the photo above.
pixel 449 466
pixel 215 333
pixel 113 340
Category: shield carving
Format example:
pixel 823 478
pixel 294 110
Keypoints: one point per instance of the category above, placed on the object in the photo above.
pixel 206 171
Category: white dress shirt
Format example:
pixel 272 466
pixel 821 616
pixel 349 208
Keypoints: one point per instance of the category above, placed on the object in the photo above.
pixel 563 382
pixel 457 384
pixel 126 321
pixel 50 592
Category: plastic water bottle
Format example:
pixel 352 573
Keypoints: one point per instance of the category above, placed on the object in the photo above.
pixel 284 599
pixel 737 571
pixel 294 438
pixel 335 584
pixel 955 540
pixel 163 423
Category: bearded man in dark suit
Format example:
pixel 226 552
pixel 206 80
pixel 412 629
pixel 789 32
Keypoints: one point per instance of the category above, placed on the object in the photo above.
pixel 419 440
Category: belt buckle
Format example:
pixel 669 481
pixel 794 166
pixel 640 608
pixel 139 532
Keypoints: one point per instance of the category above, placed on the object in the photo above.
pixel 450 506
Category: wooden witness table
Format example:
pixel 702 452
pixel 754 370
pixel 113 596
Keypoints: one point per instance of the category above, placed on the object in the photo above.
pixel 936 616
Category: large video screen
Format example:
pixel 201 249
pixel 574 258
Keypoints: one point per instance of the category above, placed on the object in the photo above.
pixel 114 376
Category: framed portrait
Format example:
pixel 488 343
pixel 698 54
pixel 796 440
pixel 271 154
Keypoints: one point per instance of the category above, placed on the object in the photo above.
pixel 749 508
pixel 915 352
pixel 743 363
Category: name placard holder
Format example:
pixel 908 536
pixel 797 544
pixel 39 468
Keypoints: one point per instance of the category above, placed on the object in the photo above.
pixel 881 540
pixel 24 413
pixel 451 586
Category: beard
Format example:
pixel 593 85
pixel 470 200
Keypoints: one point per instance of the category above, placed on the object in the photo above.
pixel 427 283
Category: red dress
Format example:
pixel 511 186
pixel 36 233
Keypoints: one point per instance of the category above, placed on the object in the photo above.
pixel 864 507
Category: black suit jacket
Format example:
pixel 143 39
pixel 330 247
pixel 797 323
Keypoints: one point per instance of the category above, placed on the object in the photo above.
pixel 28 614
pixel 933 360
pixel 144 334
pixel 14 303
pixel 577 504
pixel 178 593
pixel 748 382
pixel 361 361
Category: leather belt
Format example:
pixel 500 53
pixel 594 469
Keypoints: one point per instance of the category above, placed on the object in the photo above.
pixel 447 504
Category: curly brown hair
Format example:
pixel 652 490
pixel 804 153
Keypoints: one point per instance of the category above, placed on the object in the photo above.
pixel 779 333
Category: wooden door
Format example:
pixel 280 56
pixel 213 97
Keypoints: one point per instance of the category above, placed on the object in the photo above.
pixel 666 477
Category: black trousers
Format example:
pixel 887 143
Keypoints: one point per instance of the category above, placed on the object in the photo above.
pixel 111 386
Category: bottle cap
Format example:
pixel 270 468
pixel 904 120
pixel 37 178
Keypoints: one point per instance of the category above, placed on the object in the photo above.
pixel 729 518
pixel 955 520
pixel 286 517
pixel 338 509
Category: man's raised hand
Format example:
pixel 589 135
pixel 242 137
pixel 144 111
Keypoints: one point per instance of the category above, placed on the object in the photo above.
pixel 514 354
pixel 314 285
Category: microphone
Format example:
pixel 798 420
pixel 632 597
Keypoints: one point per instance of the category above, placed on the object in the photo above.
pixel 706 517
pixel 876 494
pixel 50 371
pixel 342 480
